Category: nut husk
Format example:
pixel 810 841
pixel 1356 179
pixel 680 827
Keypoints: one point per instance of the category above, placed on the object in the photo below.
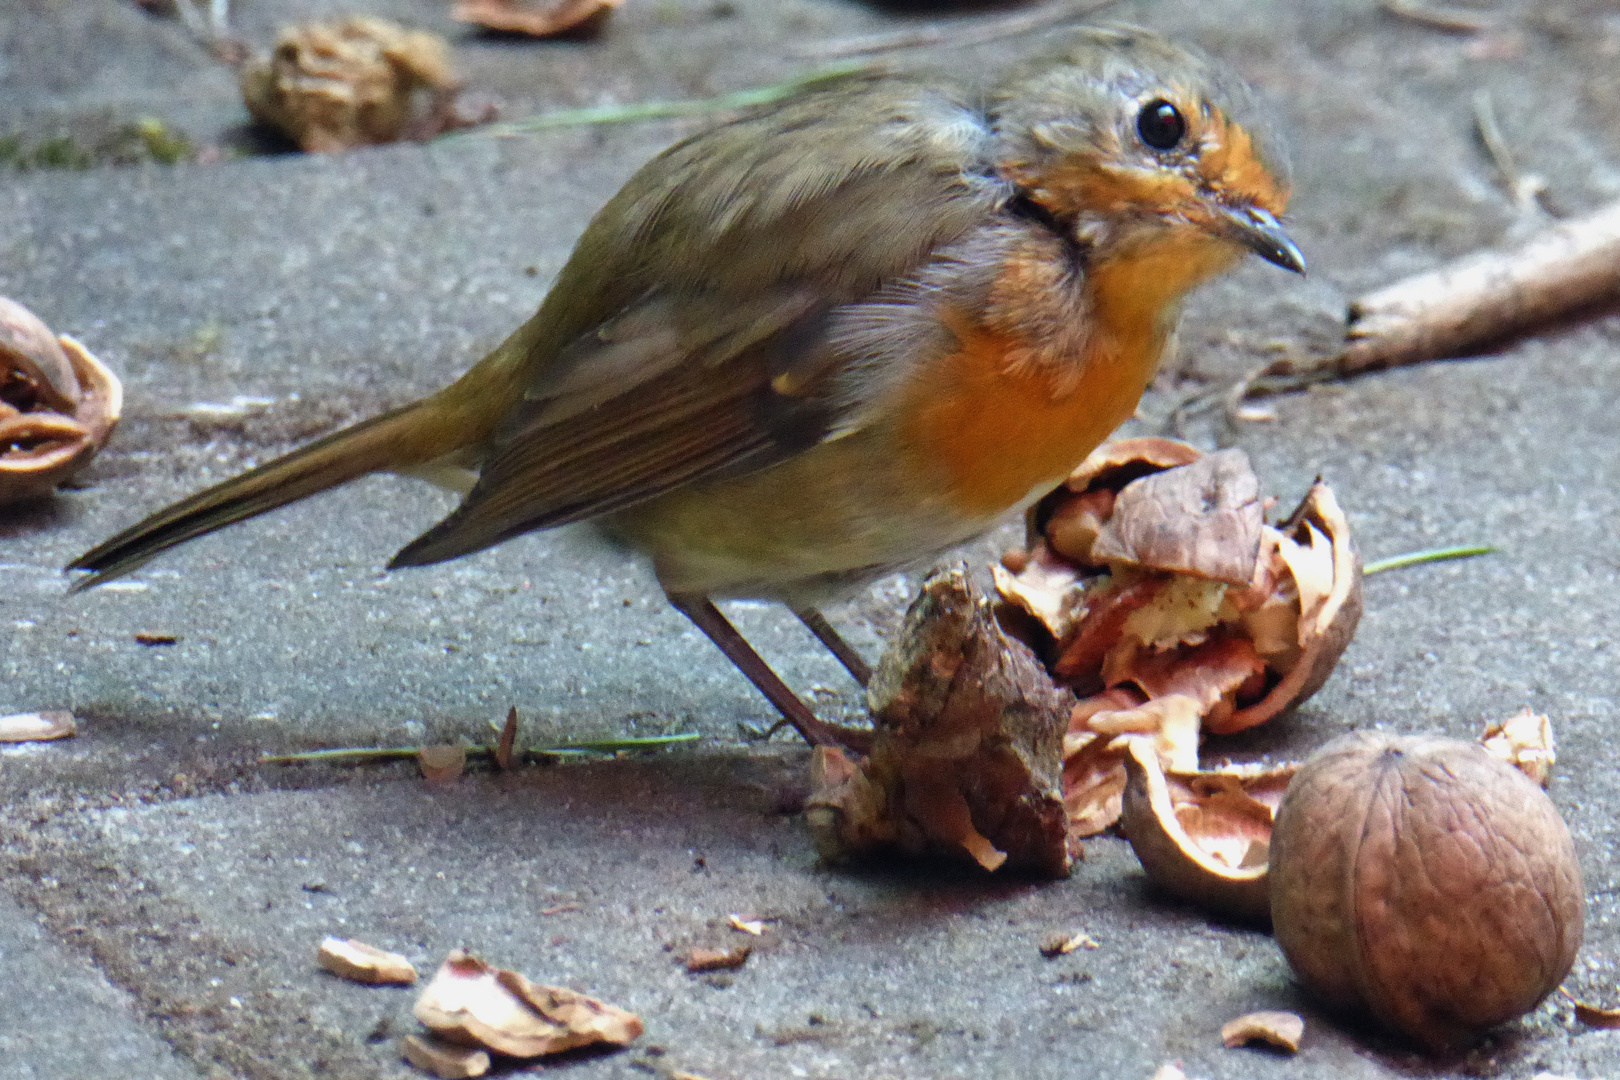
pixel 1426 882
pixel 965 755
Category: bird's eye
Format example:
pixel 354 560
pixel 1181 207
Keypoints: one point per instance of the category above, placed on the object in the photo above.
pixel 1160 124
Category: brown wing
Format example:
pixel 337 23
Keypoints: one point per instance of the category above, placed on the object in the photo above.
pixel 693 309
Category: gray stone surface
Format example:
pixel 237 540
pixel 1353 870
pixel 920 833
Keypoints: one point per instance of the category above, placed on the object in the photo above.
pixel 61 1017
pixel 155 848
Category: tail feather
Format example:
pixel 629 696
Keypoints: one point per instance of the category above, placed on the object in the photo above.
pixel 394 441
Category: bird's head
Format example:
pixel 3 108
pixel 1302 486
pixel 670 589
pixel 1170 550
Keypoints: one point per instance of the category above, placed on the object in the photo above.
pixel 1137 147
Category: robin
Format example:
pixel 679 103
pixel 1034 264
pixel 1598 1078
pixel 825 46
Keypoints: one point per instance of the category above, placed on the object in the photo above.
pixel 833 336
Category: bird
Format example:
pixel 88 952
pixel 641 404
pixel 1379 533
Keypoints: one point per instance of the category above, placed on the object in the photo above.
pixel 834 336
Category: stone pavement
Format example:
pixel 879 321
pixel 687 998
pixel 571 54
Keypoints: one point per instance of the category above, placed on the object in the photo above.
pixel 161 894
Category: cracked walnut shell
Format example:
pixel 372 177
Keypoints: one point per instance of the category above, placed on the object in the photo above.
pixel 1426 882
pixel 58 405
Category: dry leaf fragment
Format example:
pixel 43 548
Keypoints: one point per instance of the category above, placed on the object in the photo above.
pixel 705 959
pixel 756 927
pixel 441 764
pixel 965 757
pixel 37 726
pixel 1524 741
pixel 1061 944
pixel 471 1003
pixel 444 1059
pixel 537 18
pixel 1284 1030
pixel 354 82
pixel 364 963
pixel 153 637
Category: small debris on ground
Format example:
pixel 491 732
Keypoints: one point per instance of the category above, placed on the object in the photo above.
pixel 1283 1030
pixel 441 764
pixel 756 927
pixel 1593 1016
pixel 1525 741
pixel 153 637
pixel 706 959
pixel 37 726
pixel 442 1059
pixel 470 1003
pixel 1061 944
pixel 362 963
pixel 536 18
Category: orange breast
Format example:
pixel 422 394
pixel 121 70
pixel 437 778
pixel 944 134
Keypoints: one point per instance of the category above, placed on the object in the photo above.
pixel 995 435
pixel 995 432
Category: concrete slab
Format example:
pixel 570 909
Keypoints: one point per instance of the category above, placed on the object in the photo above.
pixel 60 1016
pixel 332 288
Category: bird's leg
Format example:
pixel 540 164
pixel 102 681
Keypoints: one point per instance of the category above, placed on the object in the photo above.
pixel 701 610
pixel 843 650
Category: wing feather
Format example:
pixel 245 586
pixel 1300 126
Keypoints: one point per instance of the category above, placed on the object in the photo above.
pixel 659 356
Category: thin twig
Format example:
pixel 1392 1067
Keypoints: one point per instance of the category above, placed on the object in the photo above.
pixel 1441 17
pixel 642 111
pixel 406 753
pixel 957 34
pixel 1416 558
pixel 1526 188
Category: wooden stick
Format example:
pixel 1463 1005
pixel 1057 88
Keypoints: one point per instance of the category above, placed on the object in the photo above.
pixel 1485 297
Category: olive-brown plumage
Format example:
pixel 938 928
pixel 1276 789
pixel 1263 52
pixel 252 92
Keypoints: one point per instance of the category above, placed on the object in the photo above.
pixel 834 335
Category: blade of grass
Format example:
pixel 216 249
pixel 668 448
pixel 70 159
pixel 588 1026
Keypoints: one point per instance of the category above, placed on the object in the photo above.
pixel 642 111
pixel 405 753
pixel 1415 558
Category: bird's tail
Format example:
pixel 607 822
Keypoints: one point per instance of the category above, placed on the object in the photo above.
pixel 410 437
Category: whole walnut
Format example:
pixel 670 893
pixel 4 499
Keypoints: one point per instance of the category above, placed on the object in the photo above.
pixel 1426 882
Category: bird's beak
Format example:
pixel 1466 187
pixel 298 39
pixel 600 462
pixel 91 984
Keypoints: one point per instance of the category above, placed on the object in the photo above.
pixel 1260 232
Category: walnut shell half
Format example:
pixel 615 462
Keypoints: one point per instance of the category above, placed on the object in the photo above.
pixel 1203 836
pixel 47 432
pixel 1426 882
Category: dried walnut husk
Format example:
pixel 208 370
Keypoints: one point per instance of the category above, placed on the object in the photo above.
pixel 355 82
pixel 965 755
pixel 58 405
pixel 1153 585
pixel 1426 882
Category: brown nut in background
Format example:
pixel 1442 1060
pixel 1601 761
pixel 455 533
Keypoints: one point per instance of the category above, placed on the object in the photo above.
pixel 1426 882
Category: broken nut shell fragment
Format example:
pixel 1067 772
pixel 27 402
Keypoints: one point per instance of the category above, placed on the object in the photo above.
pixel 58 405
pixel 1204 837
